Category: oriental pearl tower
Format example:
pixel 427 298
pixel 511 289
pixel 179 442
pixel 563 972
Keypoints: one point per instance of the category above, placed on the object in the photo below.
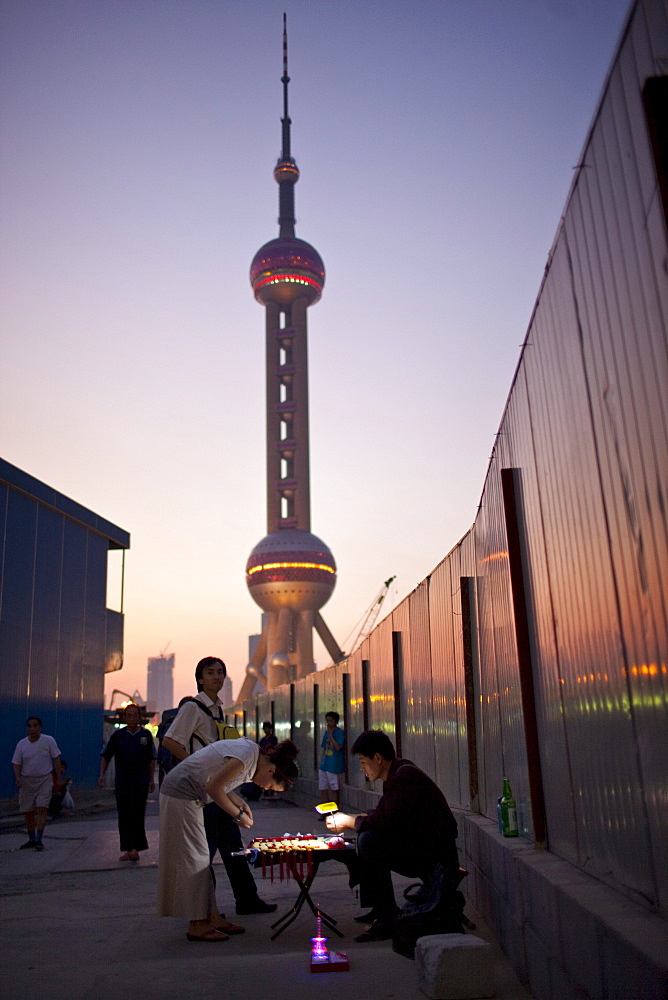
pixel 291 573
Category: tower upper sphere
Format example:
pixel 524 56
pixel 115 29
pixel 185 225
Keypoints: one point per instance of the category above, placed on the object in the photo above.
pixel 286 269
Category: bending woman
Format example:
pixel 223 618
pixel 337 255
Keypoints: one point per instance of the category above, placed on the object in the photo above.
pixel 185 878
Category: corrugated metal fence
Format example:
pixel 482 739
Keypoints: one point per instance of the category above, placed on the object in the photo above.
pixel 563 575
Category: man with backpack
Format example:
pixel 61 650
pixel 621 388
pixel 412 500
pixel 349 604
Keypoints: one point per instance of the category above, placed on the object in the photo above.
pixel 198 723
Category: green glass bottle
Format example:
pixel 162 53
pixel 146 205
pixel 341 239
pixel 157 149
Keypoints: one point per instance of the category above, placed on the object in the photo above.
pixel 508 811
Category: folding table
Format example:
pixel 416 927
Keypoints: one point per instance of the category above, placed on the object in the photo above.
pixel 295 861
pixel 346 855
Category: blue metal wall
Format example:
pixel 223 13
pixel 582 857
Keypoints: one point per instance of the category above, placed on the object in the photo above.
pixel 56 635
pixel 586 430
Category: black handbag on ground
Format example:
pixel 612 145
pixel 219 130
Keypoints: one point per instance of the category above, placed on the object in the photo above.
pixel 435 906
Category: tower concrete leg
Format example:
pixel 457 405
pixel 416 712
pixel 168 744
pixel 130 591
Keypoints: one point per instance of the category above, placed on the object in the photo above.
pixel 328 639
pixel 283 631
pixel 253 675
pixel 260 654
pixel 278 659
pixel 254 670
pixel 305 664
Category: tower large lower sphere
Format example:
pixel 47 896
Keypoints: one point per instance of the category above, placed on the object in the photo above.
pixel 291 569
pixel 290 573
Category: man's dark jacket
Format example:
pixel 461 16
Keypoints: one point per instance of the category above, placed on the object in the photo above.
pixel 414 817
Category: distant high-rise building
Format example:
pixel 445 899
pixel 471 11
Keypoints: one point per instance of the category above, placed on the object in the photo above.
pixel 226 694
pixel 253 644
pixel 291 572
pixel 160 683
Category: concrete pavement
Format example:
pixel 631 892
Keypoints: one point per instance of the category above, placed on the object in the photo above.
pixel 76 923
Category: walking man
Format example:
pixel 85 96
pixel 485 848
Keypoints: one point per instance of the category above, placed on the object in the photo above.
pixel 200 722
pixel 35 757
pixel 134 753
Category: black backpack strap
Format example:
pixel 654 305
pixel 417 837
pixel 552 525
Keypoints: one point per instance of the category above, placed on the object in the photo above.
pixel 199 704
pixel 199 740
pixel 206 710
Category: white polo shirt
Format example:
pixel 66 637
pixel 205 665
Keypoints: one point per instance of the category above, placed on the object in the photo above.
pixel 192 720
pixel 36 759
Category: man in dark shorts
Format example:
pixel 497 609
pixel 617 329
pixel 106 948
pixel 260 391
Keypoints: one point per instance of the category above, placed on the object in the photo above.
pixel 133 750
pixel 410 831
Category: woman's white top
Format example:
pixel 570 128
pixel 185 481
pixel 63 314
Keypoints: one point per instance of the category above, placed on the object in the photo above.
pixel 189 778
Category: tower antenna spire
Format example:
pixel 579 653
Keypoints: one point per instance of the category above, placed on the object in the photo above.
pixel 285 80
pixel 286 172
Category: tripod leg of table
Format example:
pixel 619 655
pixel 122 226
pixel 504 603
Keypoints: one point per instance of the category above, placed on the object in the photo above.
pixel 304 897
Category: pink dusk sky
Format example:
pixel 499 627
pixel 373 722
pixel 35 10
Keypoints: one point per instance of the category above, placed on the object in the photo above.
pixel 436 141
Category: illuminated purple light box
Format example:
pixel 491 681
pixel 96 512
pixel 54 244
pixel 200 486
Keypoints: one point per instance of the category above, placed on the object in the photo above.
pixel 322 959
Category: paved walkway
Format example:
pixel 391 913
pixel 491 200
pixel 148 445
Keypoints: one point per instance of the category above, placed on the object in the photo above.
pixel 77 924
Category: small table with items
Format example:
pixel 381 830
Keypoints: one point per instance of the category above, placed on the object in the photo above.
pixel 299 857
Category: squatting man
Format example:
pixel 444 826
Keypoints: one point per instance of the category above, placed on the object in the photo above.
pixel 410 831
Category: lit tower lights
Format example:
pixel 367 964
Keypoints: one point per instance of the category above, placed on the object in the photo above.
pixel 291 573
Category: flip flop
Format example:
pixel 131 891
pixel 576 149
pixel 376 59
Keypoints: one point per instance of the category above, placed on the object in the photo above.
pixel 228 928
pixel 208 936
pixel 125 857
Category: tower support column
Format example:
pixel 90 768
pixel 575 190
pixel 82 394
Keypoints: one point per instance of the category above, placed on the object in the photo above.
pixel 304 643
pixel 278 660
pixel 283 630
pixel 300 420
pixel 273 418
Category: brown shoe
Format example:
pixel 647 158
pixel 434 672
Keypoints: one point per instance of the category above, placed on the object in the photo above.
pixel 208 937
pixel 229 928
pixel 380 930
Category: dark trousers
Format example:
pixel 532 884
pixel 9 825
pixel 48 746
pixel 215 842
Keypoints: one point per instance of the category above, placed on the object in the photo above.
pixel 224 835
pixel 131 804
pixel 378 858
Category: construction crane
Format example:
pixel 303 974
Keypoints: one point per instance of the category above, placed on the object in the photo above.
pixel 370 616
pixel 118 691
pixel 114 714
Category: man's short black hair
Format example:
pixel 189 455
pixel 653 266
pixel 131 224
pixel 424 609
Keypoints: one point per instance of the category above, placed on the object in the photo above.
pixel 208 661
pixel 36 718
pixel 333 715
pixel 374 741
